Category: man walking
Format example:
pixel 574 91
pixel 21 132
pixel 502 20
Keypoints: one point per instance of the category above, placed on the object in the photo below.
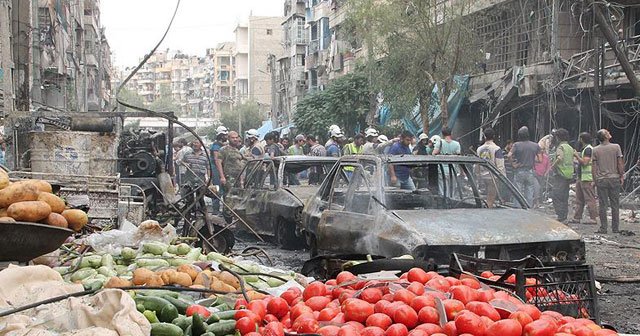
pixel 232 160
pixel 585 191
pixel 608 174
pixel 400 174
pixel 447 146
pixel 524 154
pixel 355 147
pixel 492 153
pixel 562 174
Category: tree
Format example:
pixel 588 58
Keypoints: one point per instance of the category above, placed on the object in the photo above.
pixel 414 46
pixel 130 97
pixel 164 102
pixel 345 102
pixel 248 112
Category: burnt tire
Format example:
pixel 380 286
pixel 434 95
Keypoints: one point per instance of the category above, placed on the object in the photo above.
pixel 286 235
pixel 224 239
pixel 313 246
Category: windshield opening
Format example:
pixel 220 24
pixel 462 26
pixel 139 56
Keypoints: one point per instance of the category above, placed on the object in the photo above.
pixel 305 173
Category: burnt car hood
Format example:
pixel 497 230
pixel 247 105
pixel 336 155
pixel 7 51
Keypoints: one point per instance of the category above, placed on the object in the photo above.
pixel 478 227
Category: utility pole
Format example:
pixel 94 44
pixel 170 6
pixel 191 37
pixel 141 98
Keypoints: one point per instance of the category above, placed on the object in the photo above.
pixel 274 104
pixel 612 38
pixel 6 59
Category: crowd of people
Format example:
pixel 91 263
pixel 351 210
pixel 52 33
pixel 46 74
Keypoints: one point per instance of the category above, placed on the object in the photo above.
pixel 550 165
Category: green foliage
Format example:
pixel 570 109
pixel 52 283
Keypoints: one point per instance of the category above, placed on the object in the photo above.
pixel 248 111
pixel 130 97
pixel 345 102
pixel 165 102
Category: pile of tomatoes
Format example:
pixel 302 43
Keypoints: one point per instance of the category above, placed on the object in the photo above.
pixel 418 304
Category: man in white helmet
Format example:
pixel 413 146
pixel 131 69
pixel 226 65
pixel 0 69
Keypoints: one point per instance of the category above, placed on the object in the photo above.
pixel 255 149
pixel 372 141
pixel 221 139
pixel 424 145
pixel 333 145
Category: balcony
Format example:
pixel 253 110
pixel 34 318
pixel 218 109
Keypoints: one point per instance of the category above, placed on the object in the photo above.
pixel 313 46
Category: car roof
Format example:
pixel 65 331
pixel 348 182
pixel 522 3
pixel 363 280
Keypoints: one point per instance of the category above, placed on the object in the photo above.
pixel 300 158
pixel 418 158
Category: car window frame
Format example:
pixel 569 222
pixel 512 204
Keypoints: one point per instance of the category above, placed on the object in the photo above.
pixel 251 165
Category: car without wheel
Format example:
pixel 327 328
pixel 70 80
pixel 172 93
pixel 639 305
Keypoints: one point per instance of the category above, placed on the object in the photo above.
pixel 269 194
pixel 439 205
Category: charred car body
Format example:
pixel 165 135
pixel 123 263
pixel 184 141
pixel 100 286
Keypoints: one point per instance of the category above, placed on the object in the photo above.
pixel 458 204
pixel 269 194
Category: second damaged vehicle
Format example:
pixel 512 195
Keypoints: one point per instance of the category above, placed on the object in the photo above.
pixel 269 194
pixel 438 205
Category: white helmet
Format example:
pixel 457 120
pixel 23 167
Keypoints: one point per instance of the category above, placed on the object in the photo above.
pixel 337 133
pixel 423 136
pixel 371 132
pixel 333 127
pixel 221 130
pixel 435 139
pixel 382 138
pixel 252 133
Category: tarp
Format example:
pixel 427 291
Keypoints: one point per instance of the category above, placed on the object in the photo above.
pixel 266 127
pixel 413 121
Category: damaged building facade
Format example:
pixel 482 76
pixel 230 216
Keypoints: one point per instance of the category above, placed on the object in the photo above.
pixel 54 56
pixel 552 63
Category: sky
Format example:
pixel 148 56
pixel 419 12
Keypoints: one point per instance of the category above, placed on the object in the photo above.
pixel 133 27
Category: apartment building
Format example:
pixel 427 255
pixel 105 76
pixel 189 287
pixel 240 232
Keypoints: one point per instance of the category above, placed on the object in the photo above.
pixel 222 77
pixel 258 45
pixel 55 56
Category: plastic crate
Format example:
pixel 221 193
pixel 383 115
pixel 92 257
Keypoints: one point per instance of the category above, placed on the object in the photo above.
pixel 568 289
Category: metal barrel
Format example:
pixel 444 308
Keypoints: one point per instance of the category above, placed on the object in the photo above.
pixel 60 152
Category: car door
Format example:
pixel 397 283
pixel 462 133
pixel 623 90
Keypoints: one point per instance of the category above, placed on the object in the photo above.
pixel 349 218
pixel 264 184
pixel 236 198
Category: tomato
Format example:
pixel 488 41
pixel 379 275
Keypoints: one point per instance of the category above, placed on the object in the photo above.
pixel 554 315
pixel 247 313
pixel 511 279
pixel 298 310
pixel 290 295
pixel 372 331
pixel 577 329
pixel 348 330
pixel 483 309
pixel 278 307
pixel 485 295
pixel 359 326
pixel 253 333
pixel 259 307
pixel 565 319
pixel 439 284
pixel 418 332
pixel 305 326
pixel 422 301
pixel 397 329
pixel 391 307
pixel 329 330
pixel 371 295
pixel 469 322
pixel 380 305
pixel 388 297
pixel 327 314
pixel 273 329
pixel 450 328
pixel 462 293
pixel 452 307
pixel 486 274
pixel 406 315
pixel 416 288
pixel 378 320
pixel 339 318
pixel 314 289
pixel 201 310
pixel 522 318
pixel 453 281
pixel 271 318
pixel 246 325
pixel 506 327
pixel 542 327
pixel 532 310
pixel 357 310
pixel 286 321
pixel 430 328
pixel 317 303
pixel 345 276
pixel 346 294
pixel 428 315
pixel 605 332
pixel 418 275
pixel 471 282
pixel 404 295
pixel 331 283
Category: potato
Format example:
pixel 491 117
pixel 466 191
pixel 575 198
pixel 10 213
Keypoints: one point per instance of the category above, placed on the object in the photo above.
pixel 229 279
pixel 17 192
pixel 29 211
pixel 3 212
pixel 40 185
pixel 56 219
pixel 218 285
pixel 203 279
pixel 155 281
pixel 142 275
pixel 5 219
pixel 198 287
pixel 182 279
pixel 4 179
pixel 56 203
pixel 115 282
pixel 253 295
pixel 167 275
pixel 77 219
pixel 189 269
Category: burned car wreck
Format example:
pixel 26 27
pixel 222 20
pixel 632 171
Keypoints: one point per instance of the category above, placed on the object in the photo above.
pixel 269 194
pixel 453 204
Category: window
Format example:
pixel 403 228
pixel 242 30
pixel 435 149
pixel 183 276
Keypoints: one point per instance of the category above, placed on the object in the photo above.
pixel 269 31
pixel 340 186
pixel 245 175
pixel 305 173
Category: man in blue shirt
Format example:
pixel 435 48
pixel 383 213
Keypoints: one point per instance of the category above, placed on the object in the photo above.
pixel 400 174
pixel 333 145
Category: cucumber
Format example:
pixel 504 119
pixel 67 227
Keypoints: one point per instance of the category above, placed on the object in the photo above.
pixel 173 249
pixel 273 282
pixel 208 333
pixel 182 321
pixel 151 316
pixel 155 248
pixel 106 271
pixel 198 327
pixel 165 329
pixel 251 278
pixel 140 307
pixel 222 307
pixel 62 270
pixel 188 331
pixel 128 253
pixel 107 261
pixel 166 311
pixel 183 249
pixel 225 315
pixel 93 260
pixel 159 293
pixel 82 274
pixel 179 304
pixel 219 258
pixel 222 328
pixel 194 254
pixel 175 262
pixel 152 263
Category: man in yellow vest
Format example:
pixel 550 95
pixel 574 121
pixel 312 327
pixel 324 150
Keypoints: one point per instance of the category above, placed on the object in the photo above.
pixel 355 147
pixel 563 174
pixel 585 187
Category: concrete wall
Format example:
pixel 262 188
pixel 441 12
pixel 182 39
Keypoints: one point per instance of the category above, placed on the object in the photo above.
pixel 265 38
